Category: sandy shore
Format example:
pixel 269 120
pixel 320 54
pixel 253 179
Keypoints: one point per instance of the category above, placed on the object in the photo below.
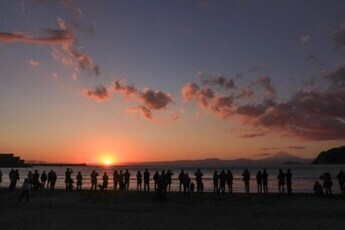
pixel 132 210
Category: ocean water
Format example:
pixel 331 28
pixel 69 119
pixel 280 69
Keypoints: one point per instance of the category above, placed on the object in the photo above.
pixel 303 179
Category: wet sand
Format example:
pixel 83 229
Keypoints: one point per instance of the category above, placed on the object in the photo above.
pixel 132 210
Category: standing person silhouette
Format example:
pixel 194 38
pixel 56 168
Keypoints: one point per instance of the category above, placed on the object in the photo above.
pixel 53 181
pixel 68 177
pixel 44 178
pixel 341 180
pixel 115 179
pixel 169 175
pixel 94 176
pixel 222 181
pixel 264 177
pixel 121 181
pixel 281 181
pixel 186 184
pixel 246 179
pixel 215 182
pixel 127 177
pixel 198 177
pixel 288 176
pixel 146 180
pixel 79 181
pixel 180 178
pixel 139 181
pixel 50 174
pixel 229 180
pixel 327 183
pixel 259 181
pixel 105 182
pixel 156 179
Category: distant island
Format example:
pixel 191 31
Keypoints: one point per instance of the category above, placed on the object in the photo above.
pixel 331 156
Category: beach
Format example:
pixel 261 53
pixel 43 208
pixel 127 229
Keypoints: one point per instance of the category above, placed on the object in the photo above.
pixel 132 210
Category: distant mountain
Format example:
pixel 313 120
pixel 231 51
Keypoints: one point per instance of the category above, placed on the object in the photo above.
pixel 331 156
pixel 280 158
pixel 284 158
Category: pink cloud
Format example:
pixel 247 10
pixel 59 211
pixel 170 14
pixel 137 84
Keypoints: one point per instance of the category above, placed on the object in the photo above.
pixel 33 62
pixel 152 99
pixel 252 135
pixel 65 38
pixel 99 93
pixel 217 80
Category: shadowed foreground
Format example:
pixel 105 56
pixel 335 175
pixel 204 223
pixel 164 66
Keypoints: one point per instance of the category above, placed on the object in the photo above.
pixel 89 210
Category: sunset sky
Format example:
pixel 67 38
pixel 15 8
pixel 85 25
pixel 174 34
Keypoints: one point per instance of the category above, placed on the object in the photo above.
pixel 133 81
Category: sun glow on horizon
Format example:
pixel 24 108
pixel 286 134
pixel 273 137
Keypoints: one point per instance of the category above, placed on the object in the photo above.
pixel 107 160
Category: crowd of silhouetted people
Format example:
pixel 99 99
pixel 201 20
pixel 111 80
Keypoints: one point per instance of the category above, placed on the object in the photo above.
pixel 222 182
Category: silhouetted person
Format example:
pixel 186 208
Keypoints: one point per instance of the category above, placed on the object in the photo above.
pixel 0 178
pixel 68 178
pixel 12 176
pixel 192 187
pixel 79 181
pixel 127 176
pixel 146 181
pixel 246 179
pixel 317 189
pixel 281 181
pixel 156 179
pixel 44 178
pixel 94 176
pixel 229 180
pixel 215 182
pixel 121 181
pixel 25 190
pixel 30 179
pixel 53 182
pixel 264 177
pixel 222 181
pixel 35 179
pixel 341 180
pixel 115 179
pixel 139 181
pixel 199 184
pixel 105 179
pixel 288 176
pixel 169 175
pixel 50 174
pixel 180 178
pixel 259 181
pixel 17 177
pixel 161 186
pixel 186 184
pixel 327 183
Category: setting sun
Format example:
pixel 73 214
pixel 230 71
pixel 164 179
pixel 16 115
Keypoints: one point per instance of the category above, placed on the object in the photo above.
pixel 107 162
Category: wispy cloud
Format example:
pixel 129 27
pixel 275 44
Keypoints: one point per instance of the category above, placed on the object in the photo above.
pixel 99 93
pixel 150 99
pixel 304 40
pixel 339 36
pixel 65 37
pixel 220 105
pixel 252 135
pixel 34 62
pixel 217 80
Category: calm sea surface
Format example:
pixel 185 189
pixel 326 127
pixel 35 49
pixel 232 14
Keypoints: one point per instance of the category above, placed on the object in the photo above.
pixel 303 176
